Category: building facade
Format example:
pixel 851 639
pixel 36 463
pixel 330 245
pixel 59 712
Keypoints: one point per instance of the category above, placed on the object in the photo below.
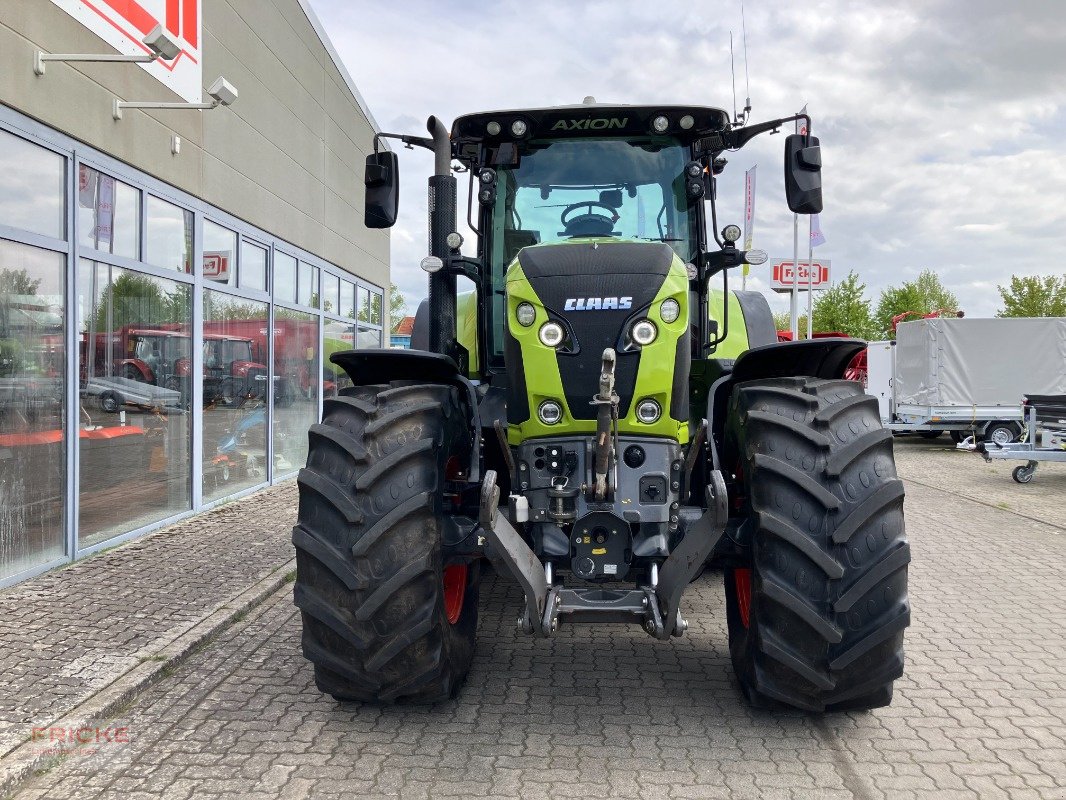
pixel 172 281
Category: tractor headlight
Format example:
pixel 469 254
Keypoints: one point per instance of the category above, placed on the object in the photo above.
pixel 643 332
pixel 550 412
pixel 670 310
pixel 525 314
pixel 660 124
pixel 648 411
pixel 551 334
pixel 519 128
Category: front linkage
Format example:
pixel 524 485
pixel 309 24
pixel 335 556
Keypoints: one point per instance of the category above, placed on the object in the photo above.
pixel 656 605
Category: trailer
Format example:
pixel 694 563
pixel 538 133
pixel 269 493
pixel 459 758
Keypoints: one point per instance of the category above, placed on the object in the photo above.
pixel 965 376
pixel 113 393
pixel 1045 441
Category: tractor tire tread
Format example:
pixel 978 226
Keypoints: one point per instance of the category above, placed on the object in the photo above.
pixel 369 580
pixel 827 546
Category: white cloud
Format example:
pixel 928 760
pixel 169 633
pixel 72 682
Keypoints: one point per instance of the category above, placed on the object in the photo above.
pixel 940 120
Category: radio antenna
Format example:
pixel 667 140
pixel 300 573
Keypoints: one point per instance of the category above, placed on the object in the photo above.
pixel 733 72
pixel 747 85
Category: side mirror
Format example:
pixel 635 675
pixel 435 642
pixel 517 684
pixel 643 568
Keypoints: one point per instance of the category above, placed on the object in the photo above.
pixel 803 174
pixel 382 181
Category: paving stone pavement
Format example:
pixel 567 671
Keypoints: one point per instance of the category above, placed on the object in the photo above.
pixel 68 633
pixel 608 712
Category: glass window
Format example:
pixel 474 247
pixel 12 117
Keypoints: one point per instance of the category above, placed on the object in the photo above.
pixel 331 293
pixel 284 277
pixel 253 266
pixel 347 307
pixel 220 251
pixel 135 432
pixel 109 214
pixel 368 337
pixel 235 392
pixel 31 187
pixel 32 358
pixel 364 304
pixel 308 285
pixel 298 370
pixel 336 337
pixel 169 235
pixel 375 308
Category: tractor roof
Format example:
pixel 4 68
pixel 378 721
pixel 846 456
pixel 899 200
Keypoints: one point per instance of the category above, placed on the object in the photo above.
pixel 586 119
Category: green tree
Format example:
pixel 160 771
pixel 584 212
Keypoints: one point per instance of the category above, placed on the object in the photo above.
pixel 924 295
pixel 17 281
pixel 134 300
pixel 844 308
pixel 397 306
pixel 1034 296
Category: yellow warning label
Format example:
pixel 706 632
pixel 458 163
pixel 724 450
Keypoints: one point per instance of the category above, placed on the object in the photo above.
pixel 599 551
pixel 587 540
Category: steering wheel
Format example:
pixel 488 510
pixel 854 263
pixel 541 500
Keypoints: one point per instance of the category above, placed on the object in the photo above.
pixel 590 223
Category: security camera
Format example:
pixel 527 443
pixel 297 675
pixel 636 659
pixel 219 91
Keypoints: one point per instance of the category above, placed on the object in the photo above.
pixel 161 44
pixel 222 91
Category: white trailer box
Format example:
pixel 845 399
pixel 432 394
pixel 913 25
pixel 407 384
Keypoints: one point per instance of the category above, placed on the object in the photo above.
pixel 979 362
pixel 969 374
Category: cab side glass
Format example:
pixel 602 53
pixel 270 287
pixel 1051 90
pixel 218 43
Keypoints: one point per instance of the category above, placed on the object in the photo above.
pixel 803 174
pixel 381 180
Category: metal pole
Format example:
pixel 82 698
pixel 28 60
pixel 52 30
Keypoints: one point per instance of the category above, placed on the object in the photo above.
pixel 810 278
pixel 793 303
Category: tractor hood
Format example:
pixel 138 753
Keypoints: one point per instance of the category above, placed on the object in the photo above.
pixel 597 289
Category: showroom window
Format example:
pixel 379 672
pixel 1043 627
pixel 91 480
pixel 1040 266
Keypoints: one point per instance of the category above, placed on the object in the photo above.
pixel 307 285
pixel 32 187
pixel 284 277
pixel 109 214
pixel 236 375
pixel 347 306
pixel 32 368
pixel 296 386
pixel 220 254
pixel 97 291
pixel 135 436
pixel 253 267
pixel 169 236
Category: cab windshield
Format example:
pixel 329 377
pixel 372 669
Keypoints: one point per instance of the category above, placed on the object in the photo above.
pixel 561 189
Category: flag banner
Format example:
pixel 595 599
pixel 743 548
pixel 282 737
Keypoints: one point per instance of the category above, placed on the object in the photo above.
pixel 817 237
pixel 749 207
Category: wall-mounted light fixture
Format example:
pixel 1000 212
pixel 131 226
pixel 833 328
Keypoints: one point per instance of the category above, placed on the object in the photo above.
pixel 222 92
pixel 161 45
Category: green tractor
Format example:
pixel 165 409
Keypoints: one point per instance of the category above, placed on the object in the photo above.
pixel 600 419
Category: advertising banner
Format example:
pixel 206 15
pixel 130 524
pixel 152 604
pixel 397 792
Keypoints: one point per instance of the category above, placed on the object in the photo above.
pixel 124 23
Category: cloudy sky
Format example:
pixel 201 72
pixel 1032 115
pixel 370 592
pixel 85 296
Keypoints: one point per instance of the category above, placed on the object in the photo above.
pixel 942 121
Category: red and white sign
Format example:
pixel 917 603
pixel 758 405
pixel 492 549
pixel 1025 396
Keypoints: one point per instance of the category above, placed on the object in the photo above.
pixel 782 272
pixel 216 265
pixel 124 23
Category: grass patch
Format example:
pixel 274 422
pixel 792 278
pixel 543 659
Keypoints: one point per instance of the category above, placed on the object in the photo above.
pixel 291 577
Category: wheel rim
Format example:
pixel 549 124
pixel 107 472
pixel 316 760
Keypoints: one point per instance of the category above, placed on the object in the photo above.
pixel 1002 436
pixel 454 591
pixel 742 583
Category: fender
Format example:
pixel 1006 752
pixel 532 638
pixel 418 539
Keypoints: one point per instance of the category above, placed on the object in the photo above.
pixel 819 358
pixel 366 367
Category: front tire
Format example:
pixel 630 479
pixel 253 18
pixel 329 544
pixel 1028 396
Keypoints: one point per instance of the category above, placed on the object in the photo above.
pixel 816 618
pixel 383 619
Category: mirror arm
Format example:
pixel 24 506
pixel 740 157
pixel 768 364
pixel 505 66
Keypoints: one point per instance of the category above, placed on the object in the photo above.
pixel 407 139
pixel 739 137
pixel 463 265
